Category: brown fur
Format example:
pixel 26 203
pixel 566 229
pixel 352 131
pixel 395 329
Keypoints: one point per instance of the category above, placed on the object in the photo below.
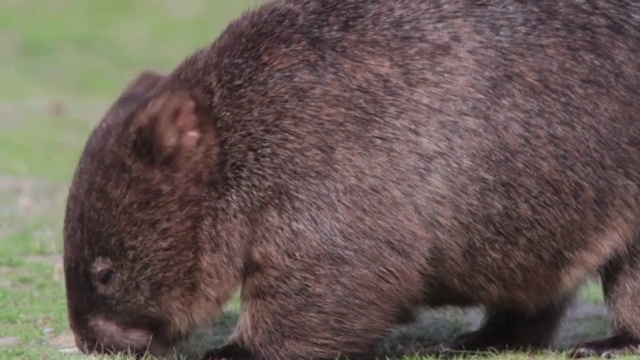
pixel 346 161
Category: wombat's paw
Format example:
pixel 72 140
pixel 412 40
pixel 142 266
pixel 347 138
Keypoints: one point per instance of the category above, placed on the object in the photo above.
pixel 611 347
pixel 477 341
pixel 230 351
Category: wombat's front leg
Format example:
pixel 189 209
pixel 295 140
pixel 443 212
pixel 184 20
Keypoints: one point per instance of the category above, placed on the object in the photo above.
pixel 507 329
pixel 621 286
pixel 296 315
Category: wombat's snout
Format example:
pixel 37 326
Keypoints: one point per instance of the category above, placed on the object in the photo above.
pixel 106 336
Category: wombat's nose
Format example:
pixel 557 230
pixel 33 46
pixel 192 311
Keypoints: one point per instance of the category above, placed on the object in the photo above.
pixel 113 338
pixel 86 346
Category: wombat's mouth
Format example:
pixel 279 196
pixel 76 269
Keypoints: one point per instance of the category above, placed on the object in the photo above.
pixel 109 338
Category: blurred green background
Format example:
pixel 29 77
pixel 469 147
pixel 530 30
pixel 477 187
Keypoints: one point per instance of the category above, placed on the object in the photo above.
pixel 62 62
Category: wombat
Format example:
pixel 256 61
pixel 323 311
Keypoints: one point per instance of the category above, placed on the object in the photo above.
pixel 345 162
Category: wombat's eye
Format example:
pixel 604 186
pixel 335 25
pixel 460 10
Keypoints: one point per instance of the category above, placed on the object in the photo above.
pixel 105 276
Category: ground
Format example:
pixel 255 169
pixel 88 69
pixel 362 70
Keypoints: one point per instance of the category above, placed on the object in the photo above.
pixel 62 62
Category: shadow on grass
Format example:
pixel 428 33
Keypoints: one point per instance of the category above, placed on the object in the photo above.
pixel 584 320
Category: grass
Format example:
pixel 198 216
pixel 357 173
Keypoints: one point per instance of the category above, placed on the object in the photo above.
pixel 61 63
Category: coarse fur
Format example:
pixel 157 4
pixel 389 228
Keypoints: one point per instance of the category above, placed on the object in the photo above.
pixel 344 162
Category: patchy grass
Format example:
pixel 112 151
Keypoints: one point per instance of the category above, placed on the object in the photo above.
pixel 62 63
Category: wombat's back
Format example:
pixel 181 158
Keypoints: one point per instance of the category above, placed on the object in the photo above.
pixel 447 135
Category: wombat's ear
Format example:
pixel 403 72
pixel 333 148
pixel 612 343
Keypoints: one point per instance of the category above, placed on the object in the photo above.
pixel 143 83
pixel 169 127
pixel 138 89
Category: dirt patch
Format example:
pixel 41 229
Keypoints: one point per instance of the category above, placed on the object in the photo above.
pixel 65 341
pixel 9 341
pixel 52 260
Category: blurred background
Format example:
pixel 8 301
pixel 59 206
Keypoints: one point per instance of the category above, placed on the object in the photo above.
pixel 62 63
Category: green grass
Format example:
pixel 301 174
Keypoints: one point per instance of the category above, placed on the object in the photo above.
pixel 62 62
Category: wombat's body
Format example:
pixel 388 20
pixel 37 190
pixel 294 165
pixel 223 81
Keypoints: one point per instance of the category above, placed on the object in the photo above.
pixel 347 161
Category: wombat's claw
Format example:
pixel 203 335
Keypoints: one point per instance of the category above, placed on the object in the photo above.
pixel 608 348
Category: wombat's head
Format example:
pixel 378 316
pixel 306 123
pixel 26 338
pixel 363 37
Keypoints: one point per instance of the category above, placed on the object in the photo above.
pixel 135 230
